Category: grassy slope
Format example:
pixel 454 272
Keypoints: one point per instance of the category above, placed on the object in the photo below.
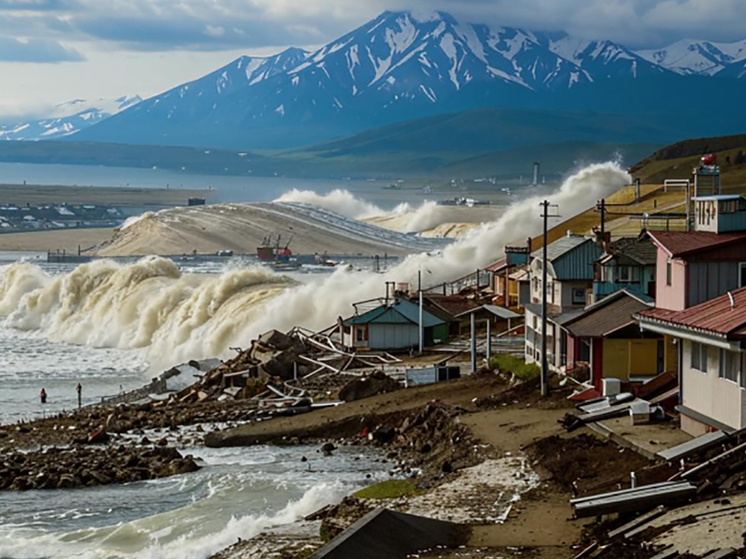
pixel 671 162
pixel 677 161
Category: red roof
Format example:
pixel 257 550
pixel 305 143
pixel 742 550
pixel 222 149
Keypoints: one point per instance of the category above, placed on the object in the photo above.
pixel 716 316
pixel 681 243
pixel 498 266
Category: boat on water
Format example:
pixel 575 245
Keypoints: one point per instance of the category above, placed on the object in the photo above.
pixel 274 254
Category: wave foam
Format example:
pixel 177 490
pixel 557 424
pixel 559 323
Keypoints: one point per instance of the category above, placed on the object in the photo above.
pixel 179 317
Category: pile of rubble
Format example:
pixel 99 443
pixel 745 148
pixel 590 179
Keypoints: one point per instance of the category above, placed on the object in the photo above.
pixel 291 369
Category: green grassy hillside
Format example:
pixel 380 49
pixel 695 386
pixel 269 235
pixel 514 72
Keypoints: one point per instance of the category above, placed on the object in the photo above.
pixel 677 161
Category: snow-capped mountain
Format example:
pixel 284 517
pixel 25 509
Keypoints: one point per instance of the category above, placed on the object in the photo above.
pixel 400 66
pixel 67 119
pixel 689 57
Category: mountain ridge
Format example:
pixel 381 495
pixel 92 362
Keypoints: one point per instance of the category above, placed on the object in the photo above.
pixel 400 66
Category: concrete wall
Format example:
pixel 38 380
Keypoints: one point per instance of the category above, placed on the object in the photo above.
pixel 671 297
pixel 710 395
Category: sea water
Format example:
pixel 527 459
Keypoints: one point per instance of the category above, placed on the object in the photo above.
pixel 237 493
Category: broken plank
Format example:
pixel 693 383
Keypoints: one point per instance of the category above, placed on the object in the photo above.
pixel 637 522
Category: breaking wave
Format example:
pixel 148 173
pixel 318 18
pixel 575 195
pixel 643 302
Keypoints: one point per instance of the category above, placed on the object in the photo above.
pixel 150 304
pixel 404 217
pixel 148 538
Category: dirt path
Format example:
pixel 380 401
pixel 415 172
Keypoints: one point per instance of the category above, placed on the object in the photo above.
pixel 349 418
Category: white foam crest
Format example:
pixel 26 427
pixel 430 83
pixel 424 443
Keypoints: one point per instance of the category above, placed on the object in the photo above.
pixel 339 201
pixel 405 217
pixel 180 317
pixel 146 304
pixel 132 220
pixel 318 306
pixel 152 538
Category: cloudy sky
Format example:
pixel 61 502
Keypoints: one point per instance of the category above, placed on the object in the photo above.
pixel 56 50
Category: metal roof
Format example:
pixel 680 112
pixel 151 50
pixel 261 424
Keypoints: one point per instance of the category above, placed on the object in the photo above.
pixel 494 309
pixel 561 246
pixel 717 316
pixel 402 311
pixel 632 251
pixel 680 243
pixel 607 316
pixel 498 266
pixel 719 197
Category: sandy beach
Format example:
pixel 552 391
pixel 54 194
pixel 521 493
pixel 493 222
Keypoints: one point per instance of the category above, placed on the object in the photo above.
pixel 68 240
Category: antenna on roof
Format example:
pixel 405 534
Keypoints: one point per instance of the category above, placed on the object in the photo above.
pixel 732 301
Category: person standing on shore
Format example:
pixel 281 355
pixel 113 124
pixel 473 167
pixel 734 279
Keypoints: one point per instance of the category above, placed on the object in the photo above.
pixel 43 396
pixel 79 390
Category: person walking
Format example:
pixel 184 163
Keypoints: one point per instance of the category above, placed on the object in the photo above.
pixel 79 390
pixel 43 396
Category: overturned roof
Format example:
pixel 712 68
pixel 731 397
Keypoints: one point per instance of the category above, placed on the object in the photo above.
pixel 608 315
pixel 724 316
pixel 681 244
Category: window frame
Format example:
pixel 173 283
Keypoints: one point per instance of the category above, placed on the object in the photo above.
pixel 578 300
pixel 669 272
pixel 724 369
pixel 630 274
pixel 700 362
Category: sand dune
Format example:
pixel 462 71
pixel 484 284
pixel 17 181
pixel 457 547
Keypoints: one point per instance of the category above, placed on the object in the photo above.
pixel 242 227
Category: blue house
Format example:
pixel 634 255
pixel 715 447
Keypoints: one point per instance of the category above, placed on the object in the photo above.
pixel 629 264
pixel 570 274
pixel 392 325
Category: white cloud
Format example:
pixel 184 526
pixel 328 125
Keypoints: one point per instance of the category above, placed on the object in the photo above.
pixel 214 31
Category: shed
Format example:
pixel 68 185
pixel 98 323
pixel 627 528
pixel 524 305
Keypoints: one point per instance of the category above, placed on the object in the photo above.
pixel 610 336
pixel 500 319
pixel 394 325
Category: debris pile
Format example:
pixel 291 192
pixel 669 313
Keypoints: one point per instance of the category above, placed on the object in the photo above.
pixel 292 367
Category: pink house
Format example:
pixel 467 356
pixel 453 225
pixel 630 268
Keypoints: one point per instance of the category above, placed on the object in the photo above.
pixel 697 266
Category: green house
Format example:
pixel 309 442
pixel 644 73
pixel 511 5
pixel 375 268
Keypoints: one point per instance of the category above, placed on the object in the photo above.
pixel 393 326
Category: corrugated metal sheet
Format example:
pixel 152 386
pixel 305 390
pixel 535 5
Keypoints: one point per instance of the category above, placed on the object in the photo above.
pixel 578 263
pixel 600 320
pixel 716 316
pixel 401 312
pixel 561 246
pixel 680 243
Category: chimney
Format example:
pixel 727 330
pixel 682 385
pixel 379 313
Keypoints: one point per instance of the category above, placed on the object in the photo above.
pixel 537 170
pixel 569 233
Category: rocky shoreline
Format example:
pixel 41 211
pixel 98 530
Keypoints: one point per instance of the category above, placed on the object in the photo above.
pixel 79 466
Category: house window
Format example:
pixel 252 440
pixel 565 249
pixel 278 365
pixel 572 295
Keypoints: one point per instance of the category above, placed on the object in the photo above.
pixel 699 357
pixel 360 335
pixel 669 272
pixel 578 296
pixel 742 274
pixel 730 365
pixel 625 274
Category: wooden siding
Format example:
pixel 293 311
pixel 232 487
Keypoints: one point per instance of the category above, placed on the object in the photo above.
pixel 577 264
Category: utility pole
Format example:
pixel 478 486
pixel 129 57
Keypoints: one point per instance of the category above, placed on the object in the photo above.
pixel 601 206
pixel 421 326
pixel 473 342
pixel 544 264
